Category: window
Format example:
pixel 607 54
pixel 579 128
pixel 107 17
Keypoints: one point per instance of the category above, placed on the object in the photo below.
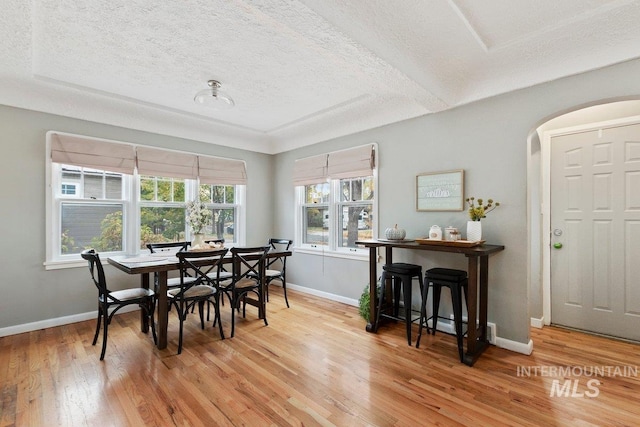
pixel 336 211
pixel 89 210
pixel 120 212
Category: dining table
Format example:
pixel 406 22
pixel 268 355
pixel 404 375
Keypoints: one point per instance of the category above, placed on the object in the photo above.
pixel 477 254
pixel 161 263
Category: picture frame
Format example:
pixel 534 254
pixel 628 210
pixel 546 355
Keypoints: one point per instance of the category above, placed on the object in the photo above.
pixel 440 191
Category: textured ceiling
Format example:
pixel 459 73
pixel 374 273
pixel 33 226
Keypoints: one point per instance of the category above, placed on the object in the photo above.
pixel 300 72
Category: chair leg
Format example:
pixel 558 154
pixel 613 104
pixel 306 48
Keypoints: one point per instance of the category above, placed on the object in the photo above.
pixel 406 294
pixel 216 314
pixel 233 316
pixel 98 324
pixel 201 311
pixel 104 332
pixel 284 289
pixel 181 318
pixel 263 307
pixel 397 283
pixel 437 288
pixel 424 286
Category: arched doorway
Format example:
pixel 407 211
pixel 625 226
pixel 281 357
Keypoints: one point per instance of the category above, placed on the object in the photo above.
pixel 540 191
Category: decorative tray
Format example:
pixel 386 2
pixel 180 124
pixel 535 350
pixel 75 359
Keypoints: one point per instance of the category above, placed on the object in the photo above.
pixel 397 240
pixel 458 243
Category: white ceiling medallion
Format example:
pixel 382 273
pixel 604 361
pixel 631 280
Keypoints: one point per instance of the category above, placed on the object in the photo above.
pixel 213 97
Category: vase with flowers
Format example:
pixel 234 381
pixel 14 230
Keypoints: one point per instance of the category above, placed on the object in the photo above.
pixel 198 217
pixel 478 209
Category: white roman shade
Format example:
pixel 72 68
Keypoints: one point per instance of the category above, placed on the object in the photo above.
pixel 310 170
pixel 352 163
pixel 156 162
pixel 92 153
pixel 214 170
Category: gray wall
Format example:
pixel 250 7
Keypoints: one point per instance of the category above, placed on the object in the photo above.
pixel 488 139
pixel 28 292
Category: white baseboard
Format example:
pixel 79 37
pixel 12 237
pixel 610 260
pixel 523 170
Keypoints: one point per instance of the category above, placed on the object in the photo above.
pixel 326 295
pixel 58 321
pixel 537 323
pixel 443 325
pixel 516 346
pixel 448 327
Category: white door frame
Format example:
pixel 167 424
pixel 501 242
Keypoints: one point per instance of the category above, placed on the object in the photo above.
pixel 545 148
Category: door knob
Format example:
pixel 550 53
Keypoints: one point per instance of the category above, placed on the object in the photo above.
pixel 557 245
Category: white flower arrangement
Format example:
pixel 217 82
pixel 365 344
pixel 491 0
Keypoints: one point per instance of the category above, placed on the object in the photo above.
pixel 198 216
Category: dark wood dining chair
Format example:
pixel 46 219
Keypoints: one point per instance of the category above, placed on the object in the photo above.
pixel 276 268
pixel 115 300
pixel 246 287
pixel 197 286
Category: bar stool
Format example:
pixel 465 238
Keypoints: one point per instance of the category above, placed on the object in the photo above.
pixel 454 280
pixel 404 273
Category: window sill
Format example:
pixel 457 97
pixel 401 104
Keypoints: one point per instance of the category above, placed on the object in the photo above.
pixel 59 265
pixel 356 256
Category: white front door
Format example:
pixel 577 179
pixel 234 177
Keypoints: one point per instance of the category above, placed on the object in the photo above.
pixel 595 226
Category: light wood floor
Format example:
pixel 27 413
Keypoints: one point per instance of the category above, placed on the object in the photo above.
pixel 313 365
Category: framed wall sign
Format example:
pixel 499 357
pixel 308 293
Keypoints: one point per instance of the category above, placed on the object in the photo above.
pixel 440 191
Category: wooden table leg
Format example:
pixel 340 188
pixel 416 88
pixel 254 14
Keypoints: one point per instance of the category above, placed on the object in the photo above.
pixel 477 315
pixel 144 320
pixel 163 310
pixel 372 290
pixel 472 293
pixel 484 297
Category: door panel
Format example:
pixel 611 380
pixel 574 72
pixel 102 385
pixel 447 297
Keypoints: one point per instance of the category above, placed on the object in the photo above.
pixel 595 203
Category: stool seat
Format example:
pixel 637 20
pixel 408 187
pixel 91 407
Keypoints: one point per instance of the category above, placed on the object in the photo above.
pixel 447 274
pixel 403 268
pixel 402 275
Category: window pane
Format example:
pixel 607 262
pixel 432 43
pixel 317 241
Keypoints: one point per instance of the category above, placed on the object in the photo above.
pixel 178 191
pixel 367 188
pixel 164 191
pixel 161 225
pixel 114 186
pixel 356 224
pixel 92 186
pixel 317 193
pixel 356 189
pixel 224 224
pixel 316 222
pixel 90 226
pixel 205 193
pixel 217 193
pixel 147 188
pixel 230 194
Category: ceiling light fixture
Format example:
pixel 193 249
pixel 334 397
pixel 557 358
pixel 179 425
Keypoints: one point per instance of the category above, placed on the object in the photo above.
pixel 214 97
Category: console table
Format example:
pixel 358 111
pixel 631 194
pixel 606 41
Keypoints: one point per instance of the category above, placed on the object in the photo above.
pixel 477 271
